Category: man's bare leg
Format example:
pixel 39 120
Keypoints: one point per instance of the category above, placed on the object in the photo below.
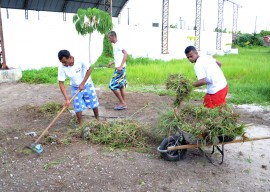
pixel 119 97
pixel 96 113
pixel 79 118
pixel 123 95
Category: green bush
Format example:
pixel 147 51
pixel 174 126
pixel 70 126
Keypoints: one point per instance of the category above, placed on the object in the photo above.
pixel 40 76
pixel 264 33
pixel 245 40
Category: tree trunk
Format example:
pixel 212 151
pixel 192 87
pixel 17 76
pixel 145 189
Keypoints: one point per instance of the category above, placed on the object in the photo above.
pixel 89 48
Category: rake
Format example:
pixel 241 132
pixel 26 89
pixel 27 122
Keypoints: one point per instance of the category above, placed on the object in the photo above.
pixel 36 146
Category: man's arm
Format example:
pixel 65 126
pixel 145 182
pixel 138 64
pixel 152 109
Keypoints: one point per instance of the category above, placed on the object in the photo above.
pixel 218 63
pixel 200 82
pixel 110 64
pixel 123 60
pixel 64 92
pixel 87 75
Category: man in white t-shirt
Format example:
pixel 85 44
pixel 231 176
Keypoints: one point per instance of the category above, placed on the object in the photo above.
pixel 118 81
pixel 209 73
pixel 79 74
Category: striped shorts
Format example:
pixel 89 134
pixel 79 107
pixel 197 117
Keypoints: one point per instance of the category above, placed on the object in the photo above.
pixel 118 80
pixel 86 98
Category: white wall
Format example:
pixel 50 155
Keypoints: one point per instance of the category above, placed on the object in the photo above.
pixel 146 41
pixel 35 43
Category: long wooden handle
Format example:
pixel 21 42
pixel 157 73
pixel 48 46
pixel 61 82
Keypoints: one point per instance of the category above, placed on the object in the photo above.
pixel 63 109
pixel 191 146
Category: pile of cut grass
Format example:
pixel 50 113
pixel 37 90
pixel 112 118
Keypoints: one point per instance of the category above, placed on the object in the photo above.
pixel 208 125
pixel 118 134
pixel 180 85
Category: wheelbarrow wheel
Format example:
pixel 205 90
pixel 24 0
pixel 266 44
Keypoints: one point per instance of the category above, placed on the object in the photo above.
pixel 174 155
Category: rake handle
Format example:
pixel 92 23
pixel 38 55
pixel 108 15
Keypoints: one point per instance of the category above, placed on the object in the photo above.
pixel 49 126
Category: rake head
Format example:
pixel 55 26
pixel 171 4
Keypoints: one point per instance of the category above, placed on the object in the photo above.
pixel 37 147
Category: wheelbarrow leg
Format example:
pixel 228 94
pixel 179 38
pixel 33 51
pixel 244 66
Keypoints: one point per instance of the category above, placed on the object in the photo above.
pixel 213 150
pixel 209 158
pixel 222 152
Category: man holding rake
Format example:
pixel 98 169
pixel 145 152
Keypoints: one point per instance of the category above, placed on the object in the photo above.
pixel 79 74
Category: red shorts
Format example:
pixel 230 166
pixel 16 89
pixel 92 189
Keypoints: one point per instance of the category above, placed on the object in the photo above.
pixel 217 99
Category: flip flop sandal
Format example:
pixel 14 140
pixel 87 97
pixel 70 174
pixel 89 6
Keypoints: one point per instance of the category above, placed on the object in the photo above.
pixel 120 107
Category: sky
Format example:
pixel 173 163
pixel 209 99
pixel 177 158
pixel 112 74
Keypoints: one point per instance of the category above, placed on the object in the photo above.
pixel 252 15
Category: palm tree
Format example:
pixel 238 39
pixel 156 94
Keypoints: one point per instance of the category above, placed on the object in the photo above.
pixel 89 20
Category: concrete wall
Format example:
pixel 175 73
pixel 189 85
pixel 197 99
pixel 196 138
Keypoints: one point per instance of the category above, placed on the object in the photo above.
pixel 146 42
pixel 35 44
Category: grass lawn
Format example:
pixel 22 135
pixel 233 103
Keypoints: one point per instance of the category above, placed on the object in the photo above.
pixel 247 73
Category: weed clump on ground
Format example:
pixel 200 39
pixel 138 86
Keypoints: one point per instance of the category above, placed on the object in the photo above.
pixel 180 85
pixel 48 109
pixel 51 108
pixel 117 134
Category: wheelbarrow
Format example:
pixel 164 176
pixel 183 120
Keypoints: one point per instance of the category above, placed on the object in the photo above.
pixel 174 147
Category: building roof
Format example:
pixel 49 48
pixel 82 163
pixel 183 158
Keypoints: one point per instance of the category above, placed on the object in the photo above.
pixel 68 6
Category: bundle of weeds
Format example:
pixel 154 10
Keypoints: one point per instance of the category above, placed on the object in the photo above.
pixel 118 134
pixel 180 85
pixel 209 125
pixel 168 122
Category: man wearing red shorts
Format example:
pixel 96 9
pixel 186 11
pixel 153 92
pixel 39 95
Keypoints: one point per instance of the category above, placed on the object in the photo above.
pixel 209 73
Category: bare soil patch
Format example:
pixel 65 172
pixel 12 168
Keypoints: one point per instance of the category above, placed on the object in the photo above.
pixel 82 166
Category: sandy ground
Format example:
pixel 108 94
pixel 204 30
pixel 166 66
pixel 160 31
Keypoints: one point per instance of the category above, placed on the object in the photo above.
pixel 82 166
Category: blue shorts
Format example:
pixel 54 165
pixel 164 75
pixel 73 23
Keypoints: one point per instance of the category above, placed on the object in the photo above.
pixel 86 98
pixel 118 80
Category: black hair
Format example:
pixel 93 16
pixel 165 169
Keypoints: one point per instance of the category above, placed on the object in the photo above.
pixel 113 33
pixel 63 53
pixel 190 48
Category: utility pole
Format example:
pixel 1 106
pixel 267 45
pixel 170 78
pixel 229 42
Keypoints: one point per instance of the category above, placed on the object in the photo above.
pixel 180 26
pixel 2 46
pixel 128 15
pixel 255 25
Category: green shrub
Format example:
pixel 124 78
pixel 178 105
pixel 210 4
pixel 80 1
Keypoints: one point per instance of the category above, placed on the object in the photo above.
pixel 245 40
pixel 264 33
pixel 40 76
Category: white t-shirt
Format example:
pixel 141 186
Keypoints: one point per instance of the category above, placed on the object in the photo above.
pixel 118 54
pixel 206 67
pixel 76 73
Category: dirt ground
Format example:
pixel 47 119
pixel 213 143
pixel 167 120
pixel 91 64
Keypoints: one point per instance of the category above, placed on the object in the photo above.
pixel 82 166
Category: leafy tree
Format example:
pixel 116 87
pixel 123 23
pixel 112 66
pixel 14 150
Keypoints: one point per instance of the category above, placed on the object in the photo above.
pixel 89 20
